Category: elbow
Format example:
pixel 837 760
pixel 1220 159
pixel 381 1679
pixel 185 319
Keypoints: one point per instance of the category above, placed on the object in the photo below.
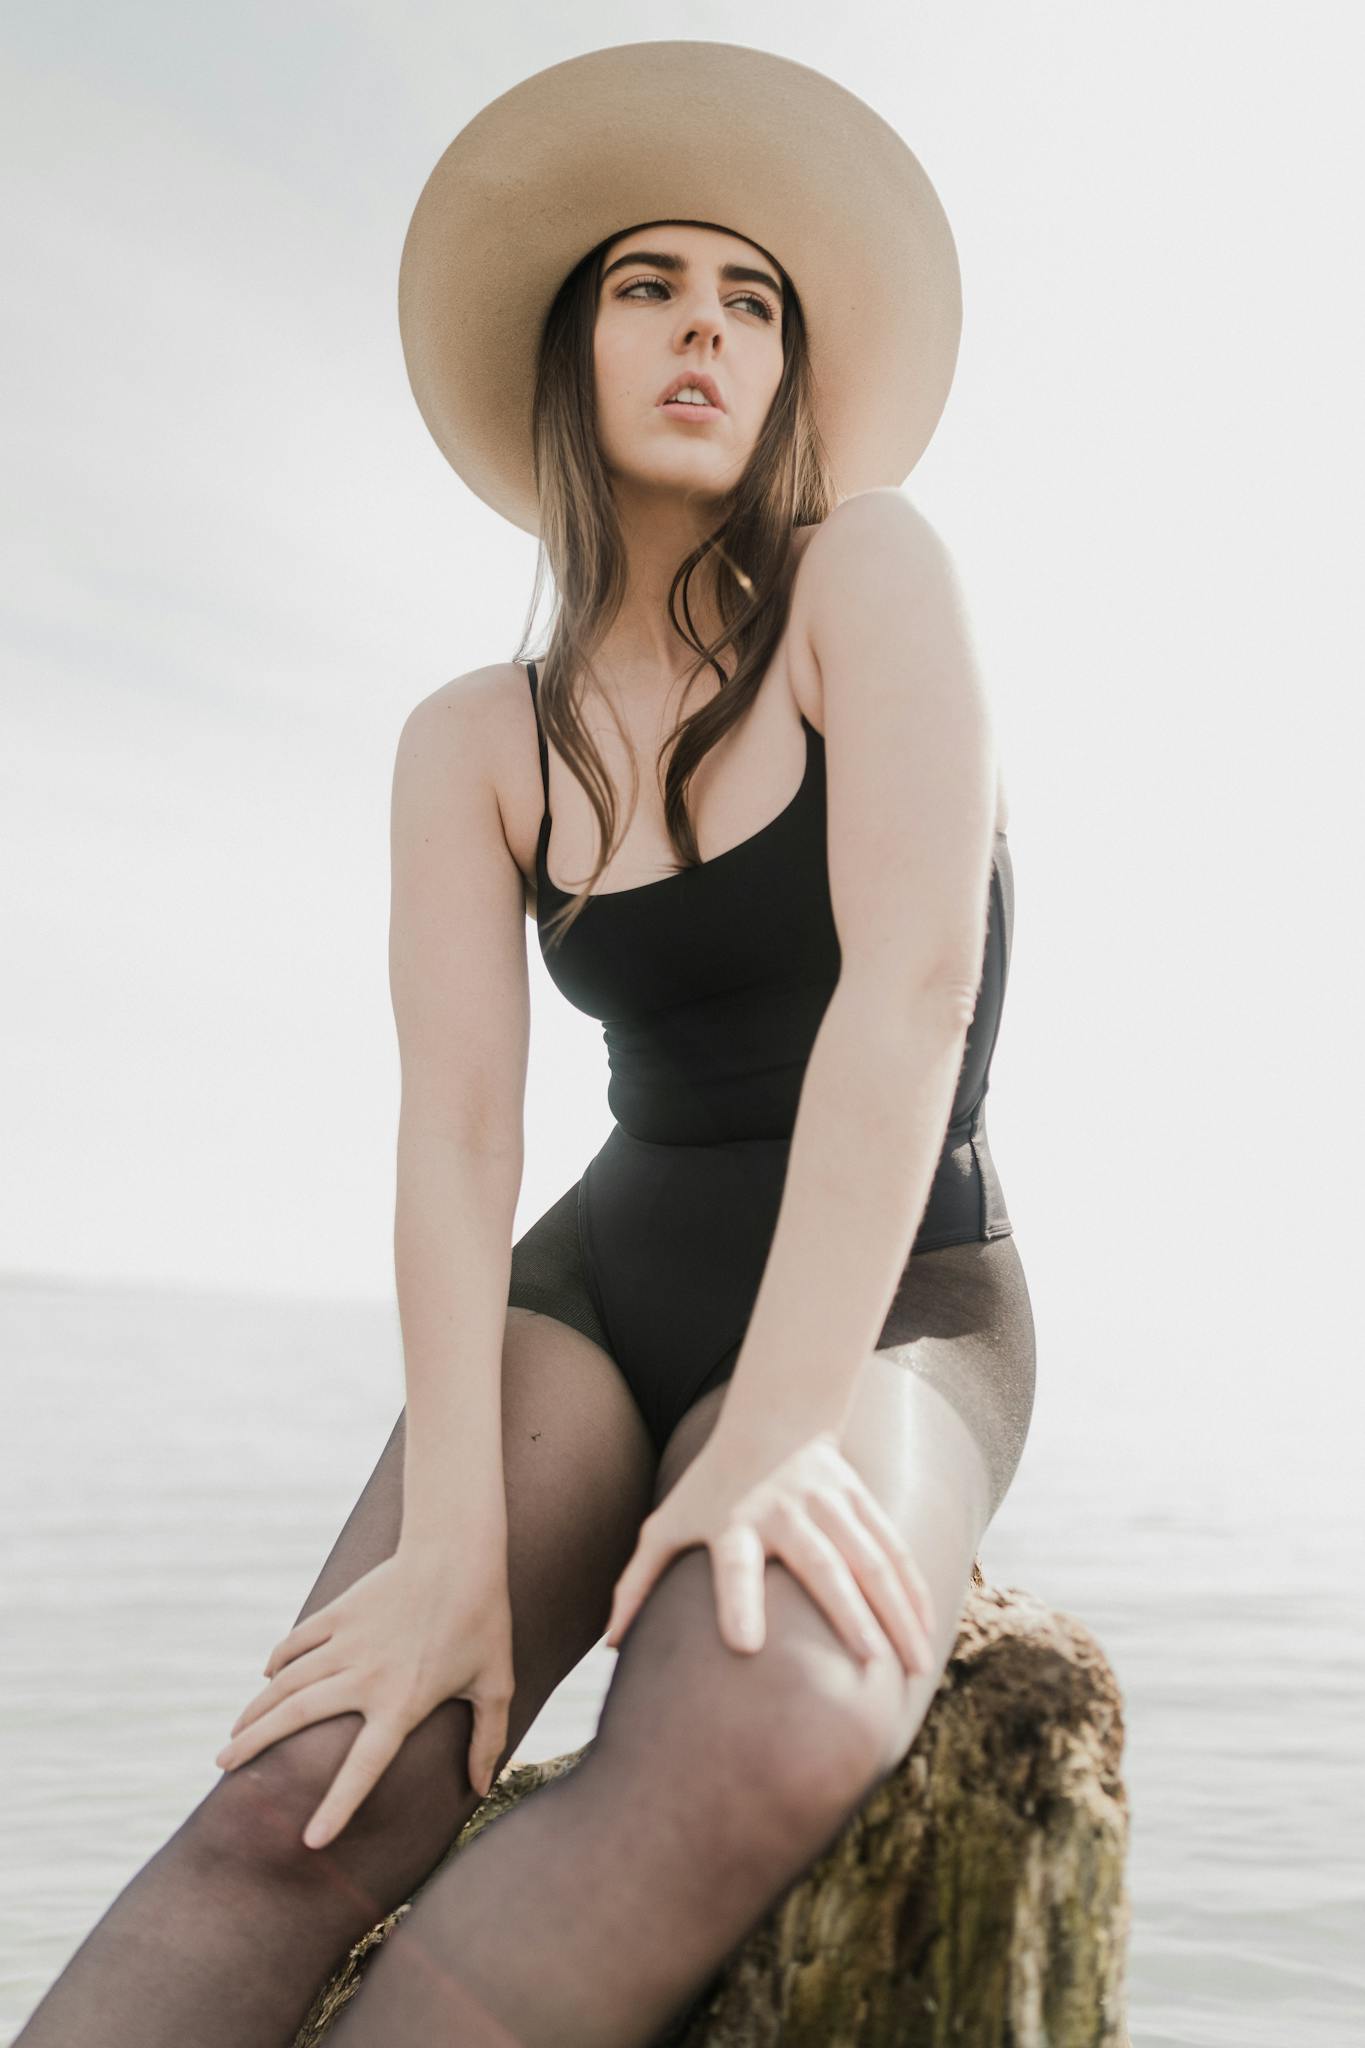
pixel 941 1008
pixel 479 1136
pixel 951 996
pixel 927 1005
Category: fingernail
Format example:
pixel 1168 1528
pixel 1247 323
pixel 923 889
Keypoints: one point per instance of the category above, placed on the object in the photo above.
pixel 314 1836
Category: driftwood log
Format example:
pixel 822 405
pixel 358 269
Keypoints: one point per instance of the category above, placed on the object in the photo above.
pixel 977 1899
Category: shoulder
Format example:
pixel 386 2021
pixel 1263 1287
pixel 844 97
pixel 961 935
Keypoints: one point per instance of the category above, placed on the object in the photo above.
pixel 869 569
pixel 877 575
pixel 471 734
pixel 478 698
pixel 868 535
pixel 472 743
pixel 477 723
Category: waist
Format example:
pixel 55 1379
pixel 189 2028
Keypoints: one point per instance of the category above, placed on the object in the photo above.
pixel 715 1073
pixel 681 1083
pixel 744 1176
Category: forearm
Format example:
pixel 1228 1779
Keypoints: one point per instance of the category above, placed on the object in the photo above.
pixel 869 1131
pixel 453 1227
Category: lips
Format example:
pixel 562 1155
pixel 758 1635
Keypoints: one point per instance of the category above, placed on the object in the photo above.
pixel 698 381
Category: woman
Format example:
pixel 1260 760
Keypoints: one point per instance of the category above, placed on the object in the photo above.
pixel 707 1400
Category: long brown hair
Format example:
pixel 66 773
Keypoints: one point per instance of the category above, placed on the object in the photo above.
pixel 786 483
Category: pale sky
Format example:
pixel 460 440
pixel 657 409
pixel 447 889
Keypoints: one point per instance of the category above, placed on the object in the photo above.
pixel 236 559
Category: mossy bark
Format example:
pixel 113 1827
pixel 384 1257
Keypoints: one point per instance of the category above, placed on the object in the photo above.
pixel 977 1898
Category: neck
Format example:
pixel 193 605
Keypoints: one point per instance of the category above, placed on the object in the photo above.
pixel 643 654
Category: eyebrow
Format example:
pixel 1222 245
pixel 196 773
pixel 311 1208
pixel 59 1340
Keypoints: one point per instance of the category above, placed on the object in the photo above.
pixel 662 259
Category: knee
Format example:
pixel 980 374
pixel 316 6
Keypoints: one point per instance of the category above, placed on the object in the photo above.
pixel 256 1814
pixel 823 1738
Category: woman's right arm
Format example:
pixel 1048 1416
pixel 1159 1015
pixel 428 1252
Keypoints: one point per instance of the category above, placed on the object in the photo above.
pixel 457 972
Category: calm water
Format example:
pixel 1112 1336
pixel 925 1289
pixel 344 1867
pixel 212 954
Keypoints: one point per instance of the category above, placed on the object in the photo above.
pixel 176 1466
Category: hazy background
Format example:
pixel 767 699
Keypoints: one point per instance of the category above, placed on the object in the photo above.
pixel 234 561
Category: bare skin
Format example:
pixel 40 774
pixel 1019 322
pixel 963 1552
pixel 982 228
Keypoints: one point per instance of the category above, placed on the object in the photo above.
pixel 743 782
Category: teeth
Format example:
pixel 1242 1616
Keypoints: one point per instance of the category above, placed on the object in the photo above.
pixel 689 395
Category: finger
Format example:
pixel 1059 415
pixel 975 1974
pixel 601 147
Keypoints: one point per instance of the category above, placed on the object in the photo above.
pixel 738 1558
pixel 488 1739
pixel 625 1605
pixel 305 1635
pixel 821 1568
pixel 320 1702
pixel 302 1671
pixel 632 1586
pixel 866 1504
pixel 367 1759
pixel 877 1576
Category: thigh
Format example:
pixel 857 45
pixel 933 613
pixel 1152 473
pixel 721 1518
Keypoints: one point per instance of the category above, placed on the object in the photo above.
pixel 578 1467
pixel 961 1324
pixel 935 1430
pixel 779 1747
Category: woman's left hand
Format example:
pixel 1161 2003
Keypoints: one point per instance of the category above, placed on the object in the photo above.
pixel 812 1509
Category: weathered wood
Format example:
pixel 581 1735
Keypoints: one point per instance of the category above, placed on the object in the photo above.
pixel 977 1898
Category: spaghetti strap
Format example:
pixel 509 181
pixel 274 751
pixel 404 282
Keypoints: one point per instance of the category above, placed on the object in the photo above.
pixel 540 735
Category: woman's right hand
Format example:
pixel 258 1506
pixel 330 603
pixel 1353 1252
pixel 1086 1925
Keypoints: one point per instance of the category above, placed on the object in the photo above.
pixel 409 1634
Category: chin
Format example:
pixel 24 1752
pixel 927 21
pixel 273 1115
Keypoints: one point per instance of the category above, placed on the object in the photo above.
pixel 711 478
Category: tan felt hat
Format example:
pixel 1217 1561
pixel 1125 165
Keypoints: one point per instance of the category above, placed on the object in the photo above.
pixel 694 131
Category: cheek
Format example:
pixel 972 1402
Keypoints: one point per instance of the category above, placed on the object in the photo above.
pixel 611 418
pixel 758 402
pixel 614 376
pixel 623 388
pixel 760 380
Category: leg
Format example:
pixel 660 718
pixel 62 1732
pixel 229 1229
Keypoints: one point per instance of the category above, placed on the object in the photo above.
pixel 224 1937
pixel 595 1911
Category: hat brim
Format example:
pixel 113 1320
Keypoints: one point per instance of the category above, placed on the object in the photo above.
pixel 757 143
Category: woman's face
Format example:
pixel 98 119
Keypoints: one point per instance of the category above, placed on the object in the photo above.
pixel 681 301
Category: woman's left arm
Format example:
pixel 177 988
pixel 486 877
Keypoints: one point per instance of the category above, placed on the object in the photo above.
pixel 911 778
pixel 912 783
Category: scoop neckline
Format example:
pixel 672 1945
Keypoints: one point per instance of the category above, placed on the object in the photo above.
pixel 727 853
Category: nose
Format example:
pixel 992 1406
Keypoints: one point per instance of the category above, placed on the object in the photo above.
pixel 701 319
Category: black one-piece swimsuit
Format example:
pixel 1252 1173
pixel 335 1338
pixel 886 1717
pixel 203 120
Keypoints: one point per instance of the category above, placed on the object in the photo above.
pixel 710 984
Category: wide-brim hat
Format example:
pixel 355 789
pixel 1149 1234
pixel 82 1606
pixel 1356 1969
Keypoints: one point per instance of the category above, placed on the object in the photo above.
pixel 695 131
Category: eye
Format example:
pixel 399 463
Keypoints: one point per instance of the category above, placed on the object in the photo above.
pixel 765 311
